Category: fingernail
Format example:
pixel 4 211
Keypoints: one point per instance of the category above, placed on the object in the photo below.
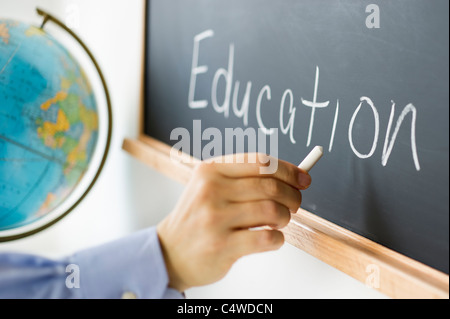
pixel 304 180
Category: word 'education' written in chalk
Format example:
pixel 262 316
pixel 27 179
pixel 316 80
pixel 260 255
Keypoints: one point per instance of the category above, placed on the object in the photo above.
pixel 287 128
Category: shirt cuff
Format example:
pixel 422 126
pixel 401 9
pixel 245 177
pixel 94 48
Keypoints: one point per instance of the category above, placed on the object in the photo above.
pixel 130 267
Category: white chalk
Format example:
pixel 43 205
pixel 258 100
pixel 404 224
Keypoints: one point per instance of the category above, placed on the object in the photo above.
pixel 312 158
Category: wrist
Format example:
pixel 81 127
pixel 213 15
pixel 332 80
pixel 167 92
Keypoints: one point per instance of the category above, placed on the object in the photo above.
pixel 173 275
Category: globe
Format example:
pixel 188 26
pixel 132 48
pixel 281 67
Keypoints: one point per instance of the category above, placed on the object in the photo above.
pixel 48 124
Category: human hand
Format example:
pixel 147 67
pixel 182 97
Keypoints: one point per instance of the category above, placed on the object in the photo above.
pixel 208 230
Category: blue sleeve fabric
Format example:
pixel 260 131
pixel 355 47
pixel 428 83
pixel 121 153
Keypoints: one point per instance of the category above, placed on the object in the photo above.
pixel 130 267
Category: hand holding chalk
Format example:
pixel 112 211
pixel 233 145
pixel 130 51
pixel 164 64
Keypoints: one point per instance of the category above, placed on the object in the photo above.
pixel 312 158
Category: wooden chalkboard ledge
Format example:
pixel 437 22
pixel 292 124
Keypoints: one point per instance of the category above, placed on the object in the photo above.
pixel 381 268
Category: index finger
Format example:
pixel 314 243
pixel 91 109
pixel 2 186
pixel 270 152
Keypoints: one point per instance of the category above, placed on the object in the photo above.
pixel 261 165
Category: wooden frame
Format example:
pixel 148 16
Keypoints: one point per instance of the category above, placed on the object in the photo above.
pixel 381 268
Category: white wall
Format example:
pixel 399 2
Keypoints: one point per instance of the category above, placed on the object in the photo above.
pixel 130 196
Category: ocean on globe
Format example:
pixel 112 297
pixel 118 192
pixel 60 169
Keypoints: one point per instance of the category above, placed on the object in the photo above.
pixel 48 124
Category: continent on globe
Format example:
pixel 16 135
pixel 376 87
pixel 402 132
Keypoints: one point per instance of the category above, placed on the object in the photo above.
pixel 48 124
pixel 4 34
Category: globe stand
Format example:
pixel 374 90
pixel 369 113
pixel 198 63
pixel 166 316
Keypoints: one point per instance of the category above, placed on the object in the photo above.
pixel 48 17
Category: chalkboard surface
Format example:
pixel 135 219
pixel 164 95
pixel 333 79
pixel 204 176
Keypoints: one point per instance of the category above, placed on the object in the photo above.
pixel 367 80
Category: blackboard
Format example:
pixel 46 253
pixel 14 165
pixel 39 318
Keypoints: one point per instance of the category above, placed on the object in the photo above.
pixel 368 80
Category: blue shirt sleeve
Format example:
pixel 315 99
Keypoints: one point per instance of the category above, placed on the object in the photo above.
pixel 130 267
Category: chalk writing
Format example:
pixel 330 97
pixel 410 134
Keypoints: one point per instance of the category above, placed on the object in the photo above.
pixel 286 107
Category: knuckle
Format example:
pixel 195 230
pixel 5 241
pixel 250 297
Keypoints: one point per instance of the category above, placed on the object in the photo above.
pixel 292 175
pixel 205 192
pixel 208 187
pixel 279 240
pixel 272 211
pixel 271 187
pixel 211 190
pixel 266 238
pixel 285 217
pixel 296 200
pixel 204 169
pixel 271 208
pixel 271 239
pixel 279 215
